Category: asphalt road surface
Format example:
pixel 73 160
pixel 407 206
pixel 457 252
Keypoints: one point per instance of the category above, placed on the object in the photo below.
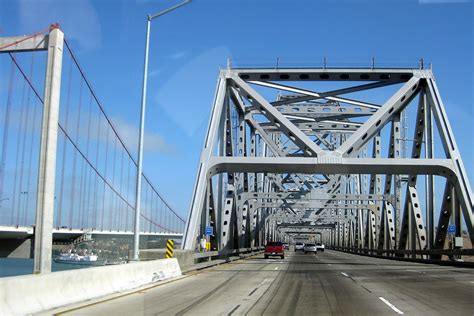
pixel 329 283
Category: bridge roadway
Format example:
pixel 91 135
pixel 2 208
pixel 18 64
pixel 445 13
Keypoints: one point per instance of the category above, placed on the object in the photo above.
pixel 329 283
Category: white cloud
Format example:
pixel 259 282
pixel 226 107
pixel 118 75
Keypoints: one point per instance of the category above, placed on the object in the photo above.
pixel 178 55
pixel 128 132
pixel 78 19
pixel 153 142
pixel 153 73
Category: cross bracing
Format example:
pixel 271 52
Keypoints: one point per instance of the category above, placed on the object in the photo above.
pixel 281 149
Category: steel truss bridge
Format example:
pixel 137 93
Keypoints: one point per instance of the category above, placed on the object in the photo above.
pixel 354 165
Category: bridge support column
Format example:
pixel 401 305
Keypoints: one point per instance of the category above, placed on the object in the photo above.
pixel 47 160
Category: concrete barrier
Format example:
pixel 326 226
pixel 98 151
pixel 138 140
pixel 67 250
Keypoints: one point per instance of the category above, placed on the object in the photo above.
pixel 185 257
pixel 189 260
pixel 28 294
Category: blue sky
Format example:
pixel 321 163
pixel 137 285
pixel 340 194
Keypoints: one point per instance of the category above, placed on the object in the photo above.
pixel 188 46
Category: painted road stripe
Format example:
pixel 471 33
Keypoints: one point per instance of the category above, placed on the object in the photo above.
pixel 233 310
pixel 253 291
pixel 344 274
pixel 396 310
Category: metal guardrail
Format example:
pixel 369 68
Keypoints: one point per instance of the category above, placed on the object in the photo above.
pixel 420 256
pixel 226 253
pixel 447 252
pixel 322 62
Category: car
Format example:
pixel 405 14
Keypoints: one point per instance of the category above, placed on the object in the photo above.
pixel 274 248
pixel 299 246
pixel 310 248
pixel 319 247
pixel 286 245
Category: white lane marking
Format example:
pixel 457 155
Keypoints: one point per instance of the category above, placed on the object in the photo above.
pixel 396 310
pixel 261 283
pixel 345 274
pixel 329 264
pixel 276 268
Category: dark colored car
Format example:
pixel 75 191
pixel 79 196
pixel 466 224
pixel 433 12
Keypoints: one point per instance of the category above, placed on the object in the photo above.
pixel 274 248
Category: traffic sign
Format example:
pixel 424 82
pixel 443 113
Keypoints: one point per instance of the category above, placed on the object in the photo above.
pixel 209 230
pixel 452 229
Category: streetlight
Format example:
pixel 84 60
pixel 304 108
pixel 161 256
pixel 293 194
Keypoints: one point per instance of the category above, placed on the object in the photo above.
pixel 136 234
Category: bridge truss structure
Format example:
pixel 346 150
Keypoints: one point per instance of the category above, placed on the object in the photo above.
pixel 282 160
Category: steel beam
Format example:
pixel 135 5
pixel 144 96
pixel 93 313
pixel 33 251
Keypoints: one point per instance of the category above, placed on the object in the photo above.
pixel 332 165
pixel 375 123
pixel 17 44
pixel 197 204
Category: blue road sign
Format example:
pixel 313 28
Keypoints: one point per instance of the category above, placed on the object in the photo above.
pixel 209 230
pixel 452 229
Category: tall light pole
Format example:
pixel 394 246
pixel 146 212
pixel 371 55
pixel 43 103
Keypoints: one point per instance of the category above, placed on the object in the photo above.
pixel 136 234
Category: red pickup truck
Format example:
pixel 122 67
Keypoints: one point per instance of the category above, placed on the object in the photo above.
pixel 274 248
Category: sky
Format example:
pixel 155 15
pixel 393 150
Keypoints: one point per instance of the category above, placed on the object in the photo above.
pixel 189 46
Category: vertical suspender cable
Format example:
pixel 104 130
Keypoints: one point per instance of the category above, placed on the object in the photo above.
pixel 6 127
pixel 112 196
pixel 105 176
pixel 96 182
pixel 15 175
pixel 155 212
pixel 24 191
pixel 32 141
pixel 128 193
pixel 120 208
pixel 87 200
pixel 83 198
pixel 79 112
pixel 161 214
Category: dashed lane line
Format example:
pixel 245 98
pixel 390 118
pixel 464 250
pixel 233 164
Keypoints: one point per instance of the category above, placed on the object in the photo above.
pixel 393 307
pixel 233 310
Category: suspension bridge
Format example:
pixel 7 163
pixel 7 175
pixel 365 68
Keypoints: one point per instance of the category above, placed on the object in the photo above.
pixel 75 166
pixel 369 167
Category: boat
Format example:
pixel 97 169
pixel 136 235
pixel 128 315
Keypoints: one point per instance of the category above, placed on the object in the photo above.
pixel 74 258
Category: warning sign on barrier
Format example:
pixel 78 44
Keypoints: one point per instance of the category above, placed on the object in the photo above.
pixel 169 248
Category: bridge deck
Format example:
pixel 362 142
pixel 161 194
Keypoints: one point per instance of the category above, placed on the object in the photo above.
pixel 326 283
pixel 26 231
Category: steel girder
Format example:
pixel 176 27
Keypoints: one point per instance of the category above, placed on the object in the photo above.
pixel 305 158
